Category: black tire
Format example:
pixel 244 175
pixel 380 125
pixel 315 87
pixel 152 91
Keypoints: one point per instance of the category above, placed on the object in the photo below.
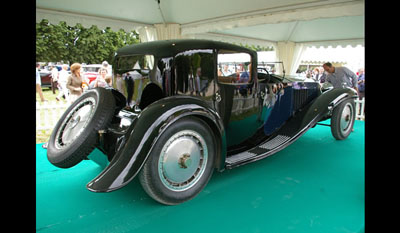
pixel 342 120
pixel 170 161
pixel 76 133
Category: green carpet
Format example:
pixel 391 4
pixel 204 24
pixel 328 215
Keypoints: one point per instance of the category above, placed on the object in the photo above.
pixel 314 185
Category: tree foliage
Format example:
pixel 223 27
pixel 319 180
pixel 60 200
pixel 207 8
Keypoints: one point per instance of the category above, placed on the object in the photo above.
pixel 78 44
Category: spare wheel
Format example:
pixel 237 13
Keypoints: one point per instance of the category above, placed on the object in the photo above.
pixel 75 134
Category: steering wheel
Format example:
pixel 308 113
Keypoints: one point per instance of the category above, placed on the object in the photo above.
pixel 267 77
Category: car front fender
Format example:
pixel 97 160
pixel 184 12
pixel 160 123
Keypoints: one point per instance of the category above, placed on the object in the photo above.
pixel 328 100
pixel 144 132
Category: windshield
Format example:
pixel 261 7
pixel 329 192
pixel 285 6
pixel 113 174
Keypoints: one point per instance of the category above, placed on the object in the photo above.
pixel 276 67
pixel 234 67
pixel 138 63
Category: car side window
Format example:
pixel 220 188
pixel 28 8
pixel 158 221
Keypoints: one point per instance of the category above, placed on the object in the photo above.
pixel 135 71
pixel 233 67
pixel 194 73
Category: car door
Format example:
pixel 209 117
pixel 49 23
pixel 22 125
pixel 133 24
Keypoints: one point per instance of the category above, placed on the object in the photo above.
pixel 237 99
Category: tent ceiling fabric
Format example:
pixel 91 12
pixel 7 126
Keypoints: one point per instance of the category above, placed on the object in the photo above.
pixel 306 31
pixel 302 21
pixel 288 25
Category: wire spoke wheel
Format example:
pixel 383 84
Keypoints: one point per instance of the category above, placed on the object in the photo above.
pixel 75 122
pixel 75 134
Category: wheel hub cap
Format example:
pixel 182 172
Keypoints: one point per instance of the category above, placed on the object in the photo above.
pixel 74 122
pixel 183 160
pixel 346 118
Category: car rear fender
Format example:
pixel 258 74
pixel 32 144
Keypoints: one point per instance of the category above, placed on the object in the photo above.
pixel 143 134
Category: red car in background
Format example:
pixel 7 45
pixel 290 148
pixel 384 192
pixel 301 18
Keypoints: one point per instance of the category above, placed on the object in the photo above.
pixel 90 72
pixel 45 77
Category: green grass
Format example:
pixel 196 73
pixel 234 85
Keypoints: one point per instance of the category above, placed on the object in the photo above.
pixel 48 95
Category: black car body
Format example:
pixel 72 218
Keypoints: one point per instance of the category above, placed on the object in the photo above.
pixel 190 96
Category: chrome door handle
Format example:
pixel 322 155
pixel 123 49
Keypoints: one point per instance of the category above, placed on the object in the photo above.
pixel 262 94
pixel 218 97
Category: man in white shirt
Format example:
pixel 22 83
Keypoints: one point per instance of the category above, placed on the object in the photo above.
pixel 39 83
pixel 62 83
pixel 226 71
pixel 54 79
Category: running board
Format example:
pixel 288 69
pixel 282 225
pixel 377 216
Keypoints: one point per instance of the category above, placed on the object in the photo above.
pixel 263 150
pixel 290 132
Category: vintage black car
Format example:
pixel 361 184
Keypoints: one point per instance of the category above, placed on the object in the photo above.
pixel 199 105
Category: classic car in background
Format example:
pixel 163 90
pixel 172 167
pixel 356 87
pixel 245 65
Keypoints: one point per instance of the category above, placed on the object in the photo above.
pixel 205 105
pixel 45 75
pixel 91 72
pixel 45 78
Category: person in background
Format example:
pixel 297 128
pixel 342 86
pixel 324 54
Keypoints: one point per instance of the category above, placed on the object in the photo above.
pixel 100 80
pixel 119 83
pixel 74 82
pixel 62 83
pixel 54 79
pixel 361 87
pixel 322 77
pixel 244 78
pixel 361 84
pixel 108 79
pixel 105 65
pixel 197 82
pixel 130 86
pixel 39 83
pixel 340 76
pixel 316 74
pixel 309 74
pixel 226 71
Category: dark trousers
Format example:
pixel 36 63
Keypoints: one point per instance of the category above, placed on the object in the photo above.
pixel 54 86
pixel 361 95
pixel 130 85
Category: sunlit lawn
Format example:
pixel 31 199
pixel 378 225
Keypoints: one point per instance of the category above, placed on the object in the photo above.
pixel 48 95
pixel 43 135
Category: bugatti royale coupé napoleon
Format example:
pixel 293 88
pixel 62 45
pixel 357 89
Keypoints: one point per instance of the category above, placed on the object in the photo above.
pixel 193 106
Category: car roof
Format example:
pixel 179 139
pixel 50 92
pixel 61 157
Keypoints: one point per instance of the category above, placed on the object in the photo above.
pixel 164 48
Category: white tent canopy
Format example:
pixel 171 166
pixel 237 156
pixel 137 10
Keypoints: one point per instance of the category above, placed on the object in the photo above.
pixel 290 26
pixel 352 57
